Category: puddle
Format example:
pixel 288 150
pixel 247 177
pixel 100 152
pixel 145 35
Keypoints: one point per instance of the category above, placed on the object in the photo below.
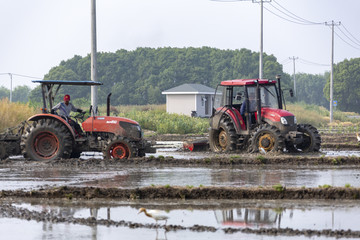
pixel 253 214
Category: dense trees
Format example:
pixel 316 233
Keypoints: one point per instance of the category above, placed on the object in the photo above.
pixel 309 88
pixel 346 85
pixel 19 94
pixel 139 76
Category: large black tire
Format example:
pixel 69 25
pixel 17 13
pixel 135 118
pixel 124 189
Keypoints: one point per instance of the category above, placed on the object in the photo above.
pixel 311 138
pixel 266 138
pixel 46 139
pixel 120 148
pixel 224 139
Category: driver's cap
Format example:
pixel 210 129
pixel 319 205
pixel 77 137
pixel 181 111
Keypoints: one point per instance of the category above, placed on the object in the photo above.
pixel 67 97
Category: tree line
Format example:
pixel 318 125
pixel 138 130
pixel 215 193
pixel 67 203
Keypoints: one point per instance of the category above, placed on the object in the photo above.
pixel 139 76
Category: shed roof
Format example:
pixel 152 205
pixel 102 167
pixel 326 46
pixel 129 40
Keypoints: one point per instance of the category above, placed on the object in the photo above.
pixel 190 88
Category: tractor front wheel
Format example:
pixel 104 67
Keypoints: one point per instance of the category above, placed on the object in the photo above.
pixel 266 138
pixel 119 148
pixel 311 138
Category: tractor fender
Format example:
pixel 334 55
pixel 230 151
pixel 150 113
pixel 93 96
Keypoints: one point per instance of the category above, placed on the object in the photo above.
pixel 55 117
pixel 234 116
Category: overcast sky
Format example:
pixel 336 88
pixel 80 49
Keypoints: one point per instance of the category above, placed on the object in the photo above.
pixel 37 35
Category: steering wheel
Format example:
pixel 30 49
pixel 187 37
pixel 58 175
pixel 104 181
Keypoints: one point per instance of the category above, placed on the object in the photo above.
pixel 79 116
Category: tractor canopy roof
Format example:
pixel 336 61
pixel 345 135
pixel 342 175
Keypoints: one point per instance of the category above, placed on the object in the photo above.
pixel 243 82
pixel 66 82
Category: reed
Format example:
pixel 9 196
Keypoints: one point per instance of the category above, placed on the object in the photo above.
pixel 13 113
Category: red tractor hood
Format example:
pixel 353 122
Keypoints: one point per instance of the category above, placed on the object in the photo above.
pixel 106 124
pixel 274 114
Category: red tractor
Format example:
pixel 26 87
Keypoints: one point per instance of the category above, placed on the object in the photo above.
pixel 248 114
pixel 50 136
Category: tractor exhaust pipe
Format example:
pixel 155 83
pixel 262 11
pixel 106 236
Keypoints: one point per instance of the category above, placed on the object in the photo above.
pixel 108 105
pixel 258 102
pixel 280 91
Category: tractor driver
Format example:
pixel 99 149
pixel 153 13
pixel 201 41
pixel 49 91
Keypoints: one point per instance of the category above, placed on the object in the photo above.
pixel 251 109
pixel 64 111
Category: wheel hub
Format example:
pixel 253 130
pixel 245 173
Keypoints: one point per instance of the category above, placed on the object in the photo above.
pixel 223 139
pixel 46 144
pixel 119 151
pixel 267 142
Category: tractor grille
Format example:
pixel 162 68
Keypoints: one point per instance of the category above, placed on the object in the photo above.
pixel 290 120
pixel 131 130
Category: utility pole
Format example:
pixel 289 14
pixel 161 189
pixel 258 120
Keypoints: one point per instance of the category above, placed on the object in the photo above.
pixel 261 29
pixel 93 57
pixel 294 58
pixel 10 74
pixel 332 24
pixel 261 40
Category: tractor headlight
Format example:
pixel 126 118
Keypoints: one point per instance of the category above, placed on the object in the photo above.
pixel 295 122
pixel 284 121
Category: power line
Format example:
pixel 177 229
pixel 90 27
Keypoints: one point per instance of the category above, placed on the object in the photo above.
pixel 350 33
pixel 293 16
pixel 20 75
pixel 289 16
pixel 347 36
pixel 301 60
pixel 345 40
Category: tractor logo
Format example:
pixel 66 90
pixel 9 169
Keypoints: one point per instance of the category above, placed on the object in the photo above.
pixel 111 122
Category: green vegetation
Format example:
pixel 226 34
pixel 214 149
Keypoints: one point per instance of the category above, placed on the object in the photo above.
pixel 261 158
pixel 325 186
pixel 139 76
pixel 278 187
pixel 348 185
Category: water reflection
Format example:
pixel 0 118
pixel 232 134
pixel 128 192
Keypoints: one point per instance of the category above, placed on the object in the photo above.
pixel 248 217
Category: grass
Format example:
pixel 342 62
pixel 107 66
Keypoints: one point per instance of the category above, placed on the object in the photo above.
pixel 278 187
pixel 13 113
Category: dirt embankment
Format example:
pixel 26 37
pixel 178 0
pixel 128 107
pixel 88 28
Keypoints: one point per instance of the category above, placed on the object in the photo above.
pixel 189 192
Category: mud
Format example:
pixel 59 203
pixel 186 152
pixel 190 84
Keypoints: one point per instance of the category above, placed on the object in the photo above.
pixel 186 193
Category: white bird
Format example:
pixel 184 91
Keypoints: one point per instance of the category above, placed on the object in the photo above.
pixel 358 137
pixel 157 215
pixel 262 151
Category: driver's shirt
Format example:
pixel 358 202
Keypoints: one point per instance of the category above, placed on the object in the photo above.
pixel 64 110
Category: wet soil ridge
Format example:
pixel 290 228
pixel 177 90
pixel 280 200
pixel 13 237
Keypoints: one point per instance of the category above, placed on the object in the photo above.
pixel 189 192
pixel 9 211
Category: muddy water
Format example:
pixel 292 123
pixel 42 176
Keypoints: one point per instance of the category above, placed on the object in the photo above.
pixel 34 176
pixel 219 215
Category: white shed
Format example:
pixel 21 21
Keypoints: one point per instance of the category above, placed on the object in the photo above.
pixel 186 98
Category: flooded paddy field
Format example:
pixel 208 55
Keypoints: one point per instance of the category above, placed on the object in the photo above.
pixel 205 195
pixel 29 176
pixel 271 219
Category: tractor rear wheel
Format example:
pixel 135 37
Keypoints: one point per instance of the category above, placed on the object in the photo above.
pixel 46 139
pixel 266 138
pixel 224 139
pixel 311 138
pixel 119 148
